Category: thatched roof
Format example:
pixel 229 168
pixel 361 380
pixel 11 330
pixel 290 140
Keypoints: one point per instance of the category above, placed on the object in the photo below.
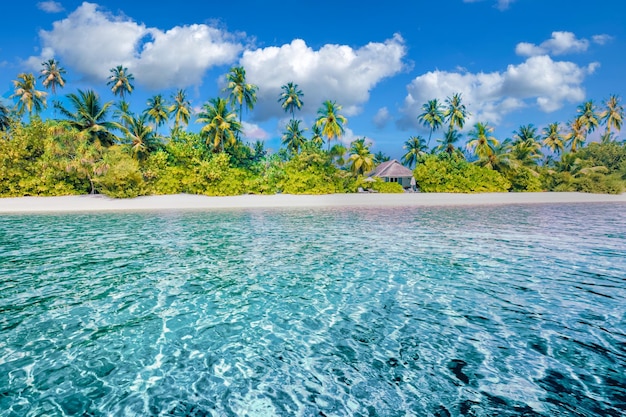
pixel 391 169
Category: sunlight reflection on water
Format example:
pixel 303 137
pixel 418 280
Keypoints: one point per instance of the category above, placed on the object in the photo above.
pixel 512 310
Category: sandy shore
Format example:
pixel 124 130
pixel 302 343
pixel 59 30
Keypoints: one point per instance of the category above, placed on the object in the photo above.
pixel 95 203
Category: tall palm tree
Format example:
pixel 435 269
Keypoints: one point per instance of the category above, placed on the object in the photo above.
pixel 122 109
pixel 455 112
pixel 577 134
pixel 240 91
pixel 52 75
pixel 588 116
pixel 337 153
pixel 120 81
pixel 500 159
pixel 259 150
pixel 482 142
pixel 157 111
pixel 142 139
pixel 330 121
pixel 291 98
pixel 29 98
pixel 432 116
pixel 525 133
pixel 527 152
pixel 553 139
pixel 448 143
pixel 361 159
pixel 415 147
pixel 613 115
pixel 380 157
pixel 220 124
pixel 316 137
pixel 181 109
pixel 293 138
pixel 90 117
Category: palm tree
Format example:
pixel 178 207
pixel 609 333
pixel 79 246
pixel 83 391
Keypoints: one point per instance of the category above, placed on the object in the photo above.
pixel 157 111
pixel 432 117
pixel 336 154
pixel 291 98
pixel 613 115
pixel 259 150
pixel 317 138
pixel 122 109
pixel 455 112
pixel 525 133
pixel 361 159
pixel 240 92
pixel 482 142
pixel 553 139
pixel 500 159
pixel 5 120
pixel 330 121
pixel 29 98
pixel 52 75
pixel 220 124
pixel 588 116
pixel 577 135
pixel 90 117
pixel 380 157
pixel 448 143
pixel 139 133
pixel 415 148
pixel 120 81
pixel 181 109
pixel 293 138
pixel 527 153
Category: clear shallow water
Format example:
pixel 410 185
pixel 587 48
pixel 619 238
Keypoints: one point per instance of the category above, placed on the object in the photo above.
pixel 483 311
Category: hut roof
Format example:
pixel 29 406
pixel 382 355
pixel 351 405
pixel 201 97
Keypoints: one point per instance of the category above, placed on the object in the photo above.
pixel 390 169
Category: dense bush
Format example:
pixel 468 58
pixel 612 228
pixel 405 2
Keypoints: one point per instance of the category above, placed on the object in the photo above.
pixel 120 177
pixel 450 174
pixel 312 173
pixel 524 179
pixel 378 185
pixel 49 158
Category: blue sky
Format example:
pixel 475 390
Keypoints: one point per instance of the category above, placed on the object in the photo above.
pixel 515 62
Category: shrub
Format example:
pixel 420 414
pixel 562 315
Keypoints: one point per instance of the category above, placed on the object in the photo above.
pixel 442 173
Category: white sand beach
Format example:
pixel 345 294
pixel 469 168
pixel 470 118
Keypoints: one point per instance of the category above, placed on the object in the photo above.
pixel 96 203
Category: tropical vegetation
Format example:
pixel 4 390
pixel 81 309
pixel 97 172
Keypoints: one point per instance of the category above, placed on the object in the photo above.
pixel 97 146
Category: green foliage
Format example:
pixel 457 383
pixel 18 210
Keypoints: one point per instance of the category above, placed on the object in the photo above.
pixel 593 182
pixel 611 155
pixel 312 173
pixel 377 185
pixel 440 173
pixel 524 179
pixel 121 178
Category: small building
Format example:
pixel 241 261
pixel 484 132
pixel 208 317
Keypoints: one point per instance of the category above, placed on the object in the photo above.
pixel 394 171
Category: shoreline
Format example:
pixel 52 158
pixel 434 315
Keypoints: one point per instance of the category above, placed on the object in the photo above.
pixel 100 203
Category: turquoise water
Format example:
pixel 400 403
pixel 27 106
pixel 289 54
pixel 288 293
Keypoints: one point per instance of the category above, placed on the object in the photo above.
pixel 476 311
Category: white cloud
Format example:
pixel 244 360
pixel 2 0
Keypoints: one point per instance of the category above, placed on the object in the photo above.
pixel 601 39
pixel 334 72
pixel 538 81
pixel 252 131
pixel 92 41
pixel 382 117
pixel 559 44
pixel 50 6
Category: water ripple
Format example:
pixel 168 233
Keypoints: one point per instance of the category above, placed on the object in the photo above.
pixel 508 311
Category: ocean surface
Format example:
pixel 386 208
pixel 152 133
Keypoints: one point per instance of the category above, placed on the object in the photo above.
pixel 440 311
